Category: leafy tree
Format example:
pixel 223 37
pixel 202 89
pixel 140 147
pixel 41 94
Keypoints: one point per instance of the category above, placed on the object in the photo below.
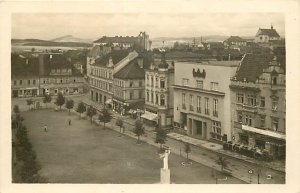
pixel 91 111
pixel 222 162
pixel 161 137
pixel 47 99
pixel 16 109
pixel 69 104
pixel 187 150
pixel 60 100
pixel 29 102
pixel 81 108
pixel 139 129
pixel 120 123
pixel 105 116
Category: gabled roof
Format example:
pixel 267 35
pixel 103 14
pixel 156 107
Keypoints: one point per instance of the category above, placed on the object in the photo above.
pixel 131 71
pixel 269 32
pixel 115 55
pixel 252 66
pixel 57 61
pixel 20 68
pixel 117 39
pixel 235 39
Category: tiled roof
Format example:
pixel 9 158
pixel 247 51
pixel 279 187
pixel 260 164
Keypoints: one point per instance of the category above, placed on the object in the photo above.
pixel 268 32
pixel 20 68
pixel 117 39
pixel 57 61
pixel 116 55
pixel 235 39
pixel 131 71
pixel 252 67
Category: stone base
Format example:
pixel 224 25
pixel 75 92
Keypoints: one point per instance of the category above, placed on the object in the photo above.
pixel 165 176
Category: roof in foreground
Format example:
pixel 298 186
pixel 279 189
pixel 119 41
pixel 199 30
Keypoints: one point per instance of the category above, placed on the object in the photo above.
pixel 252 67
pixel 116 56
pixel 131 71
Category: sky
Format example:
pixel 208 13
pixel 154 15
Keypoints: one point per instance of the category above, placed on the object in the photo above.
pixel 92 26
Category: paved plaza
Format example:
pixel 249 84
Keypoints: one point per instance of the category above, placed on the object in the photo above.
pixel 85 153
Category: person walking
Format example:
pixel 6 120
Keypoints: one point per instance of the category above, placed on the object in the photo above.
pixel 69 122
pixel 45 128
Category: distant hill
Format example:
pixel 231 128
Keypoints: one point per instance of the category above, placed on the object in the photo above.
pixel 70 38
pixel 38 42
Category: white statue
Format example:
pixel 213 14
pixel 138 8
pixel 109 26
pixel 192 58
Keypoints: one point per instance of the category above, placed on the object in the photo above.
pixel 166 160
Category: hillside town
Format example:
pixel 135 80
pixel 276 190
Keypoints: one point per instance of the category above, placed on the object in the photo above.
pixel 219 104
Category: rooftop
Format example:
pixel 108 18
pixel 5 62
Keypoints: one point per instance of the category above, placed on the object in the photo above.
pixel 115 55
pixel 117 39
pixel 131 71
pixel 269 32
pixel 235 39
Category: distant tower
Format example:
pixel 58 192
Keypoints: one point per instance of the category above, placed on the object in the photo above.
pixel 271 26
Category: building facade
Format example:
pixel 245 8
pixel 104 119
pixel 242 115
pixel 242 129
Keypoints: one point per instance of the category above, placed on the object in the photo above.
pixel 202 99
pixel 266 35
pixel 159 104
pixel 45 74
pixel 258 105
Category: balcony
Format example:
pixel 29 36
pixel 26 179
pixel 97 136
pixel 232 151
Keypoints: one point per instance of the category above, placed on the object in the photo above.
pixel 264 132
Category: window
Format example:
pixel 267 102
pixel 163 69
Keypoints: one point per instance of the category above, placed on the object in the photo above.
pixel 151 97
pixel 214 86
pixel 61 81
pixel 15 82
pixel 33 82
pixel 162 83
pixel 206 106
pixel 156 82
pixel 152 81
pixel 20 82
pixel 74 80
pixel 131 84
pixel 140 94
pixel 191 103
pixel 262 121
pixel 199 84
pixel 55 91
pixel 262 102
pixel 131 95
pixel 185 82
pixel 183 101
pixel 162 100
pixel 275 124
pixel 274 104
pixel 240 98
pixel 198 104
pixel 140 83
pixel 248 120
pixel 28 82
pixel 147 96
pixel 274 80
pixel 251 100
pixel 156 99
pixel 216 130
pixel 215 107
pixel 240 117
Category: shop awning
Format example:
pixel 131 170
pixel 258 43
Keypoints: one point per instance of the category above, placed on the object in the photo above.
pixel 108 101
pixel 264 132
pixel 149 116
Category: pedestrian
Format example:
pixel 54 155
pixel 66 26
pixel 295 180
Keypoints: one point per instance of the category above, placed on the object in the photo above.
pixel 45 128
pixel 69 122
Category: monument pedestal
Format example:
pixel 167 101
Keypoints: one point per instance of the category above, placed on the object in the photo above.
pixel 165 176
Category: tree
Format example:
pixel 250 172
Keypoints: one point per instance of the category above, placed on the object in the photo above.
pixel 60 100
pixel 105 116
pixel 161 137
pixel 222 162
pixel 187 150
pixel 29 102
pixel 139 129
pixel 120 123
pixel 47 99
pixel 69 104
pixel 91 111
pixel 81 108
